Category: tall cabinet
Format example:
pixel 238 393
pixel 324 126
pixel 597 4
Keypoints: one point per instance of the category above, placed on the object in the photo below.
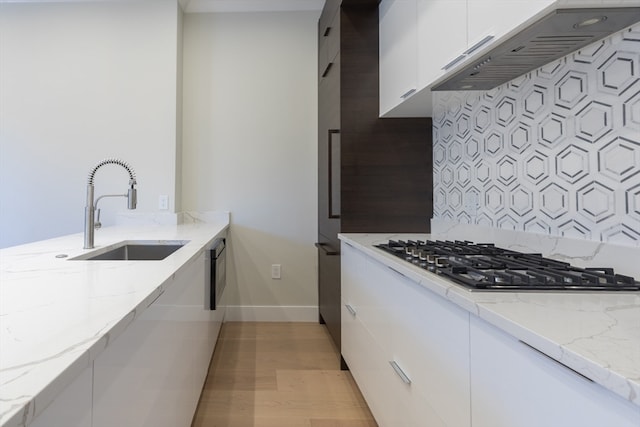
pixel 374 175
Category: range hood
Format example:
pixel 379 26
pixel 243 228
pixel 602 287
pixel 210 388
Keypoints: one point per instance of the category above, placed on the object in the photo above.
pixel 555 35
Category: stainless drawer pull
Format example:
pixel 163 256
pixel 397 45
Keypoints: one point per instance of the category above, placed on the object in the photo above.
pixel 405 379
pixel 556 361
pixel 397 272
pixel 478 45
pixel 454 62
pixel 409 92
pixel 156 298
pixel 351 310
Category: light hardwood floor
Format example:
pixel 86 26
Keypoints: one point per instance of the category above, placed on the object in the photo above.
pixel 279 375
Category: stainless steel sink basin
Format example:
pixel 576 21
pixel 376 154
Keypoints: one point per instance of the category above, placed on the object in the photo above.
pixel 134 250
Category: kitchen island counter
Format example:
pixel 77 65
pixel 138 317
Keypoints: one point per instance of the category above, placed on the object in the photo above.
pixel 57 314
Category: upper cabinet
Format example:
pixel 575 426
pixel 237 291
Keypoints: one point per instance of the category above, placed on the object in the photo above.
pixel 398 51
pixel 495 18
pixel 441 35
pixel 328 45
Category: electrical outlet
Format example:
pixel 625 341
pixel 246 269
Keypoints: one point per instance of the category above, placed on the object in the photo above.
pixel 275 271
pixel 163 202
pixel 471 204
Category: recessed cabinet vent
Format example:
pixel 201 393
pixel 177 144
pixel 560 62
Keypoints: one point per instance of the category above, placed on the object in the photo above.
pixel 557 34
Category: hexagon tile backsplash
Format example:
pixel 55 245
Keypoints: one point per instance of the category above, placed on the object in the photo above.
pixel 556 151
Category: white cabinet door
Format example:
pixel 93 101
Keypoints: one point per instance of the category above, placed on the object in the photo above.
pixel 361 290
pixel 515 385
pixel 152 374
pixel 408 348
pixel 442 36
pixel 143 377
pixel 431 343
pixel 197 326
pixel 498 17
pixel 398 52
pixel 368 362
pixel 363 324
pixel 72 407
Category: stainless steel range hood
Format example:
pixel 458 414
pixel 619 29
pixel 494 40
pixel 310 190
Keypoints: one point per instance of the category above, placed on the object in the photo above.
pixel 555 35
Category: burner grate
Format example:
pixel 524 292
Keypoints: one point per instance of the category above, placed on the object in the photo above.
pixel 483 266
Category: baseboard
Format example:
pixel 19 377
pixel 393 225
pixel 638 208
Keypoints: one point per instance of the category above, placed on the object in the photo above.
pixel 271 313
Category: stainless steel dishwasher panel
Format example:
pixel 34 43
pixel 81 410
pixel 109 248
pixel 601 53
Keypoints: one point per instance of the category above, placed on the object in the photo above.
pixel 215 273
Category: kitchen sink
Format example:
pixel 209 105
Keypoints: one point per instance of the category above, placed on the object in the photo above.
pixel 134 250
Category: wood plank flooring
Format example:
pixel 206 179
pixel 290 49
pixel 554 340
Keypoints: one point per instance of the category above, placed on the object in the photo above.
pixel 279 375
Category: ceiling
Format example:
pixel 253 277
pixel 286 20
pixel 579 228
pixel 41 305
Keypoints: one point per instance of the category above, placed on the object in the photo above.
pixel 195 6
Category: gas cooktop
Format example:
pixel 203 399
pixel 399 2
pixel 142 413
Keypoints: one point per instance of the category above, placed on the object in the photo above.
pixel 485 267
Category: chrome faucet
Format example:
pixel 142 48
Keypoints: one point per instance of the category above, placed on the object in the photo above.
pixel 90 223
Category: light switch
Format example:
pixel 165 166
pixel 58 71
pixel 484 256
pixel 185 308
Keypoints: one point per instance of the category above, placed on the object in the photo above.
pixel 275 271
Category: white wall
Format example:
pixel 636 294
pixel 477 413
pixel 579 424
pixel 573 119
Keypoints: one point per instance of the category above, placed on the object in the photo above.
pixel 249 146
pixel 80 82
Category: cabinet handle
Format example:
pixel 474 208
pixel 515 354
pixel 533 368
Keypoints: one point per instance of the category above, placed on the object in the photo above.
pixel 326 70
pixel 556 361
pixel 454 62
pixel 405 379
pixel 468 52
pixel 326 32
pixel 478 45
pixel 333 183
pixel 351 310
pixel 408 93
pixel 156 298
pixel 397 272
pixel 323 247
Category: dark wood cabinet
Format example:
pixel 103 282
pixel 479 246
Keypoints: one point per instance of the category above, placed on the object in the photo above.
pixel 328 40
pixel 328 141
pixel 374 175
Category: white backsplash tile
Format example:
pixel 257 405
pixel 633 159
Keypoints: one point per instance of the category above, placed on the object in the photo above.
pixel 555 152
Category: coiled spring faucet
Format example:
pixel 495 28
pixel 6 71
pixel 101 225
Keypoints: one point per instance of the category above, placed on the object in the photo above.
pixel 90 208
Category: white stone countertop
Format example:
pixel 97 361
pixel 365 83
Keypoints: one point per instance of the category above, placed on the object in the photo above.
pixel 596 334
pixel 57 315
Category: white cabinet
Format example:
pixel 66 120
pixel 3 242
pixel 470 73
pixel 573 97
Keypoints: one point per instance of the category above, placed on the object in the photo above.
pixel 369 364
pixel 142 379
pixel 454 369
pixel 398 51
pixel 445 30
pixel 442 34
pixel 153 373
pixel 408 348
pixel 417 39
pixel 72 407
pixel 498 17
pixel 515 385
pixel 430 342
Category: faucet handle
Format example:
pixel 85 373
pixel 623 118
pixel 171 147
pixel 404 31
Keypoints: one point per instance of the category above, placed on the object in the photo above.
pixel 97 224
